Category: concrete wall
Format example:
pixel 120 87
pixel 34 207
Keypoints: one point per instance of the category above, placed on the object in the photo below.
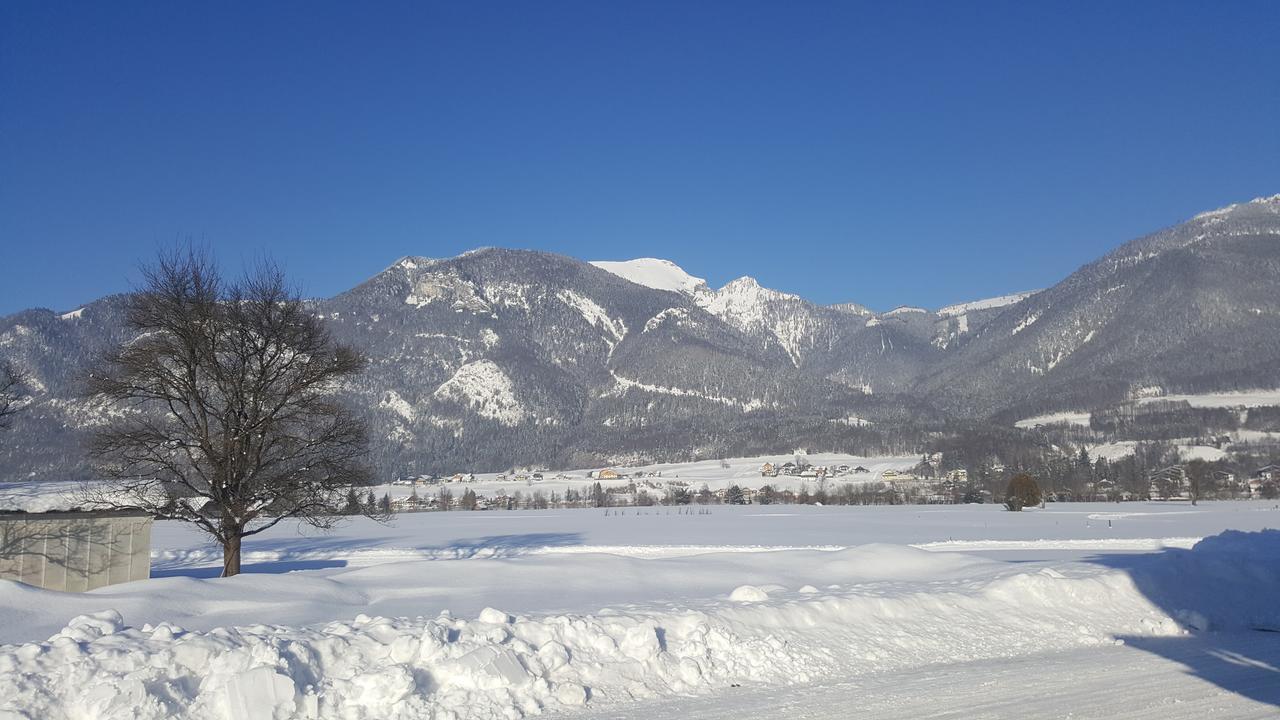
pixel 75 551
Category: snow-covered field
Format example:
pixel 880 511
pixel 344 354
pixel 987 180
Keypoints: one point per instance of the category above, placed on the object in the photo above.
pixel 1060 418
pixel 756 611
pixel 1242 398
pixel 712 474
pixel 1236 399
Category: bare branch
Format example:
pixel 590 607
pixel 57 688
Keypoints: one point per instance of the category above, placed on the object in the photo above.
pixel 12 381
pixel 233 422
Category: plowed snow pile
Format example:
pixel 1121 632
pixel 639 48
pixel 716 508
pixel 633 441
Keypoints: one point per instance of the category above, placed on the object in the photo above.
pixel 929 608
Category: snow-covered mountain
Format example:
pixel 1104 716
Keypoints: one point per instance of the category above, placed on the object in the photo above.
pixel 503 357
pixel 1193 307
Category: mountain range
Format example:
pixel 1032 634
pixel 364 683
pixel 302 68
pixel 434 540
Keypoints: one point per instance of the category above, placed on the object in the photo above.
pixel 500 358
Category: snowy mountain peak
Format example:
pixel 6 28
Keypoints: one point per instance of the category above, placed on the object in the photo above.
pixel 746 282
pixel 654 273
pixel 749 286
pixel 1269 204
pixel 744 295
pixel 852 308
pixel 904 310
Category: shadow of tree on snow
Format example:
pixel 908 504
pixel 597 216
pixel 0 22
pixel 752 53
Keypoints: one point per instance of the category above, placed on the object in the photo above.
pixel 282 555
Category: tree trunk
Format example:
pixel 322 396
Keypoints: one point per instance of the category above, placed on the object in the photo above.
pixel 231 556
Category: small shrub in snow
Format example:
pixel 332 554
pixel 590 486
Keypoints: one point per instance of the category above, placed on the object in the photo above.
pixel 1022 492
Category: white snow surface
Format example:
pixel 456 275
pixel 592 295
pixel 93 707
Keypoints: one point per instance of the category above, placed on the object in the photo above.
pixel 1238 398
pixel 745 304
pixel 623 384
pixel 1058 418
pixel 1025 323
pixel 905 309
pixel 486 390
pixel 1271 204
pixel 398 405
pixel 987 304
pixel 504 614
pixel 654 273
pixel 595 316
pixel 550 611
pixel 713 474
pixel 1187 450
pixel 1113 451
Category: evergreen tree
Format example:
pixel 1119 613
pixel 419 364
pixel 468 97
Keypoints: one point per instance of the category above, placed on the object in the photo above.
pixel 352 506
pixel 734 496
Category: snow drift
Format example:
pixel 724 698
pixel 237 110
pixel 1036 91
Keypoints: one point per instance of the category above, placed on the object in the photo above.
pixel 931 608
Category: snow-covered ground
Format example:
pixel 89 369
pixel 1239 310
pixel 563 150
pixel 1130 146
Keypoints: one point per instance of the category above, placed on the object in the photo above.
pixel 987 304
pixel 1058 418
pixel 662 613
pixel 712 474
pixel 1242 398
pixel 1236 399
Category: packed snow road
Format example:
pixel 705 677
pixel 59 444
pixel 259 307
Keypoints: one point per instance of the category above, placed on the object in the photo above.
pixel 1219 675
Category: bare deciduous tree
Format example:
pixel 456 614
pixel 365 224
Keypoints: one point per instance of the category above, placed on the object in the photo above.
pixel 11 382
pixel 1198 474
pixel 226 409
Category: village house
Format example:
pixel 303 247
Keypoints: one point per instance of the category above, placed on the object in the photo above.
pixel 1169 483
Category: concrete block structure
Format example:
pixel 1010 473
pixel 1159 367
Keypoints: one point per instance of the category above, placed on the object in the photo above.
pixel 75 551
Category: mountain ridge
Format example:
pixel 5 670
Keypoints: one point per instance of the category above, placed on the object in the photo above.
pixel 499 357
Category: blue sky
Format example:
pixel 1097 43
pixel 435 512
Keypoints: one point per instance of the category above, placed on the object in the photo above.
pixel 889 153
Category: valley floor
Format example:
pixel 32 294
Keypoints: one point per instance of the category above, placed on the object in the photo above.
pixel 1077 610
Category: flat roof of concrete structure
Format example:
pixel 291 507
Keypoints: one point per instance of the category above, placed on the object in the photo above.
pixel 70 514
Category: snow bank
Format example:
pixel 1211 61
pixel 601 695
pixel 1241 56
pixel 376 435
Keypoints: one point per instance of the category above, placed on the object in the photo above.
pixel 1225 582
pixel 503 665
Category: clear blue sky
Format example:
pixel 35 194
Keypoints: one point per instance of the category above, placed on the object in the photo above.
pixel 885 153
